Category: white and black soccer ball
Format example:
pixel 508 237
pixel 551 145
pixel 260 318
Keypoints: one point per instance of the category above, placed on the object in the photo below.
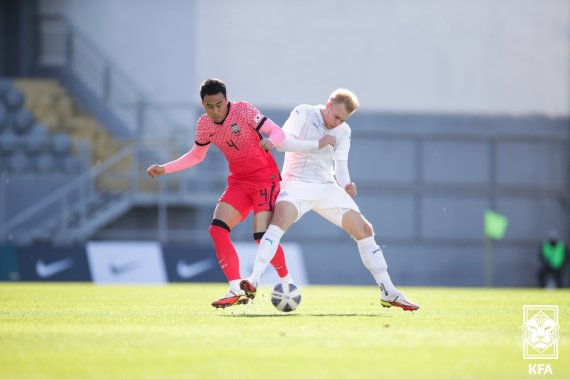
pixel 286 299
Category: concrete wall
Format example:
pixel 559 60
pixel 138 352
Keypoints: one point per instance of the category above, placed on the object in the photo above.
pixel 442 56
pixel 152 42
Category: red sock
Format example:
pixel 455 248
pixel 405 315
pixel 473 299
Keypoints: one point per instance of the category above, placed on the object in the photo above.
pixel 278 261
pixel 225 252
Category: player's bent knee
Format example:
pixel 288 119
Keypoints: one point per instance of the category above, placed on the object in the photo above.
pixel 367 229
pixel 362 231
pixel 217 227
pixel 284 216
pixel 280 222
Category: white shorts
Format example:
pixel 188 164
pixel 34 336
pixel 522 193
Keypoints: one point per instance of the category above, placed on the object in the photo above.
pixel 327 199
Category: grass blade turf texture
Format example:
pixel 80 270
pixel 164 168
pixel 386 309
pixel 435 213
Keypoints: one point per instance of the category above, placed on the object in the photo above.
pixel 87 331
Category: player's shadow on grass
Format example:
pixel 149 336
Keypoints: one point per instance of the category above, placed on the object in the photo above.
pixel 346 315
pixel 253 315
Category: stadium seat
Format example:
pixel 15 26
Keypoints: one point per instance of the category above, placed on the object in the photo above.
pixel 9 121
pixel 70 165
pixel 8 143
pixel 61 144
pixel 4 88
pixel 3 117
pixel 23 121
pixel 39 139
pixel 39 128
pixel 14 99
pixel 19 162
pixel 35 143
pixel 45 163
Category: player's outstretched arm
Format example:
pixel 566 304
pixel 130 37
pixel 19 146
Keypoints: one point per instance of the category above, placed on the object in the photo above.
pixel 191 158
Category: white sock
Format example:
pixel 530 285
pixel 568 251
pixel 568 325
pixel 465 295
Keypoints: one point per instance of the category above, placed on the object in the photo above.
pixel 234 285
pixel 373 259
pixel 266 251
pixel 286 279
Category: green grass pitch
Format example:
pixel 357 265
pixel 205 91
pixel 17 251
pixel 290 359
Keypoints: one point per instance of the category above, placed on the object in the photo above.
pixel 89 331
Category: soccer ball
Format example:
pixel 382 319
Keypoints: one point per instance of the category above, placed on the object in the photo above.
pixel 286 299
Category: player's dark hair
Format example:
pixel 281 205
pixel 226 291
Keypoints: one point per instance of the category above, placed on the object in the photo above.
pixel 212 86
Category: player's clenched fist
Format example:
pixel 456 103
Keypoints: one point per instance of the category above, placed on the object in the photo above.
pixel 266 144
pixel 327 140
pixel 155 170
pixel 350 189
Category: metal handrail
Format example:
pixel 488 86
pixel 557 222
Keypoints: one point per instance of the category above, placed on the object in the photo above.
pixel 73 34
pixel 56 196
pixel 73 41
pixel 80 190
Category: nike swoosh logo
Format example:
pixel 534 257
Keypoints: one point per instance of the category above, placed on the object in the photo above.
pixel 121 269
pixel 189 270
pixel 45 270
pixel 212 134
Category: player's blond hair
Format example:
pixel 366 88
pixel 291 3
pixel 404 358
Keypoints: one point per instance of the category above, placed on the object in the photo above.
pixel 346 97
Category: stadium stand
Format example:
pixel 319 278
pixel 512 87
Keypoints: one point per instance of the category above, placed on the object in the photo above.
pixel 52 155
pixel 65 122
pixel 13 98
pixel 25 145
pixel 3 116
pixel 60 144
pixel 70 165
pixel 45 162
pixel 37 141
pixel 18 162
pixel 4 87
pixel 22 121
pixel 8 144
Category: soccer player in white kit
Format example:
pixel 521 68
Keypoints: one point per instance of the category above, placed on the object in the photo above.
pixel 315 177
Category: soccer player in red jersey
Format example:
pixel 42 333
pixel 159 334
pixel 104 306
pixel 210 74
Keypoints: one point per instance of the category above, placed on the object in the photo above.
pixel 253 184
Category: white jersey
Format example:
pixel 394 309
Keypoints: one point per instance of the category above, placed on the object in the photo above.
pixel 315 166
